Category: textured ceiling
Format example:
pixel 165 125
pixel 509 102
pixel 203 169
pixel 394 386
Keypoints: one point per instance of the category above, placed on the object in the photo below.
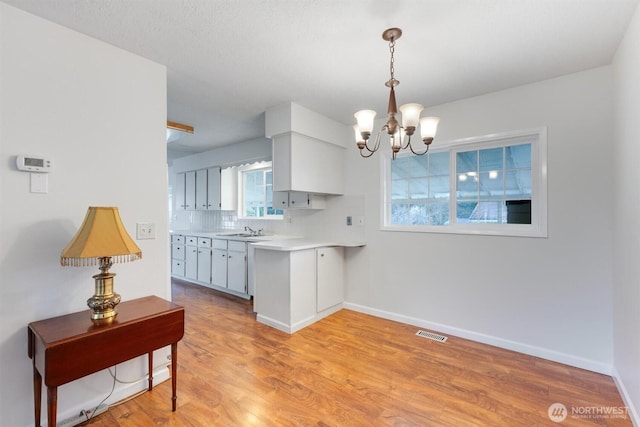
pixel 229 60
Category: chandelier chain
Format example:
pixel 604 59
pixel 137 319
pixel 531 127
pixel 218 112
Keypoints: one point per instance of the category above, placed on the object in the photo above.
pixel 392 45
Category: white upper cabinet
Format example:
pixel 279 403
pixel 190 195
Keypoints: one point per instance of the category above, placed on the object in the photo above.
pixel 213 189
pixel 179 191
pixel 308 150
pixel 198 190
pixel 190 191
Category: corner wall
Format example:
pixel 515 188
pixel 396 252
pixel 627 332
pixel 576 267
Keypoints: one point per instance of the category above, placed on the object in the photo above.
pixel 626 231
pixel 549 297
pixel 99 114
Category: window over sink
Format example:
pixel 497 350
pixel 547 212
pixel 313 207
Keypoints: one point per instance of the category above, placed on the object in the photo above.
pixel 255 199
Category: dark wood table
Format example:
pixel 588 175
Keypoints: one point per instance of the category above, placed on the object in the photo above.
pixel 69 347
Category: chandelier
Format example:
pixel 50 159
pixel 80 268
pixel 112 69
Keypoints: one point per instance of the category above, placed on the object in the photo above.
pixel 400 136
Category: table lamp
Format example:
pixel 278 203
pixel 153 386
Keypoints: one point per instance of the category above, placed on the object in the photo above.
pixel 101 240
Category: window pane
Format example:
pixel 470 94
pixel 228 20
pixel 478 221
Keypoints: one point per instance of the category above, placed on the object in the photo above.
pixel 466 161
pixel 491 159
pixel 418 214
pixel 467 186
pixel 518 184
pixel 400 168
pixel 399 213
pixel 438 213
pixel 439 187
pixel 400 189
pixel 418 189
pixel 439 164
pixel 518 156
pixel 492 184
pixel 417 166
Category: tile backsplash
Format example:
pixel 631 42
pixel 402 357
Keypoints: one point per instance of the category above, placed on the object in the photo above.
pixel 325 224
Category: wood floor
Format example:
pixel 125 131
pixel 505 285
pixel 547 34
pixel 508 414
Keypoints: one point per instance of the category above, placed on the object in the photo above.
pixel 351 369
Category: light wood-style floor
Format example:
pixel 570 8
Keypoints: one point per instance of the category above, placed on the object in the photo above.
pixel 351 369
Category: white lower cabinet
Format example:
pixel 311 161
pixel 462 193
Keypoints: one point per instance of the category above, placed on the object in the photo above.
pixel 217 263
pixel 204 259
pixel 229 265
pixel 219 267
pixel 294 289
pixel 237 267
pixel 191 263
pixel 329 277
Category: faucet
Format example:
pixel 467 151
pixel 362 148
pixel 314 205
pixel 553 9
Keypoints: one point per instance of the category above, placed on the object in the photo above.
pixel 252 231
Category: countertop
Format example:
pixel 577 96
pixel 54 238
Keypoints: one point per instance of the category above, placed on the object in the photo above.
pixel 298 244
pixel 229 235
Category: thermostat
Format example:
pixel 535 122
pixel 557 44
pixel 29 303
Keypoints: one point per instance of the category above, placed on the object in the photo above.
pixel 33 164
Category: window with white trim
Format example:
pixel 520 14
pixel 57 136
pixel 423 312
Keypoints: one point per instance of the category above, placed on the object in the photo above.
pixel 485 185
pixel 256 193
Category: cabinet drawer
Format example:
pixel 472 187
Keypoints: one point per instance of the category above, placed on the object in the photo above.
pixel 204 242
pixel 177 267
pixel 235 245
pixel 177 238
pixel 177 252
pixel 219 244
pixel 192 240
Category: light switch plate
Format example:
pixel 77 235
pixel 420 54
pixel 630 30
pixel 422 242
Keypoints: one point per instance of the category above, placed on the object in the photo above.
pixel 145 230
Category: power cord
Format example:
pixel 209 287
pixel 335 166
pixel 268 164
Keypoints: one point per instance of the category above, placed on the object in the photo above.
pixel 113 387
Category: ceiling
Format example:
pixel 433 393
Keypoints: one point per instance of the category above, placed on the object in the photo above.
pixel 228 60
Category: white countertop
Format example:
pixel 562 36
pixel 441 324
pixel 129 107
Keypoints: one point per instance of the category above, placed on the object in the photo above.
pixel 298 244
pixel 228 235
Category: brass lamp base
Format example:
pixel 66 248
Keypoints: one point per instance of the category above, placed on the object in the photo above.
pixel 103 302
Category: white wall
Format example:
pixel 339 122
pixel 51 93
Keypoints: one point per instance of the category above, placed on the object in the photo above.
pixel 99 114
pixel 626 231
pixel 549 297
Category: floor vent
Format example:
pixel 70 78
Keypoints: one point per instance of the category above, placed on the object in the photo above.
pixel 431 336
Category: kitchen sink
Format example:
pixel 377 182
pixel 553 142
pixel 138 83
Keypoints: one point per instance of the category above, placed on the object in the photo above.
pixel 237 234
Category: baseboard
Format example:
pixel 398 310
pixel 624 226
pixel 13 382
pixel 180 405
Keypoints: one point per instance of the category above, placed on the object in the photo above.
pixel 632 411
pixel 122 392
pixel 555 356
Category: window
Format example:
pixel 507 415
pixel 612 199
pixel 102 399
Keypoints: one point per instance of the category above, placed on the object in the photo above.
pixel 256 196
pixel 485 185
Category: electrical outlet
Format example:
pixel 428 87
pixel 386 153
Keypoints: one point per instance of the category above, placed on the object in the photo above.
pixel 145 230
pixel 82 417
pixel 349 220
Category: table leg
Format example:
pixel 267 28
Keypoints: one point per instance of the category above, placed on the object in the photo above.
pixel 52 405
pixel 150 370
pixel 174 374
pixel 37 394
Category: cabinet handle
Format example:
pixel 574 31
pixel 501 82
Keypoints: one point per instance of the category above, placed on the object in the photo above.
pixel 321 255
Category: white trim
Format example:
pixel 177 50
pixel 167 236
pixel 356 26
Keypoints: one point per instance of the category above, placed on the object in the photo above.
pixel 632 411
pixel 538 228
pixel 160 374
pixel 545 353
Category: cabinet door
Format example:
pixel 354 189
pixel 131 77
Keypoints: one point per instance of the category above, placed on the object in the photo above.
pixel 237 271
pixel 213 188
pixel 204 265
pixel 191 265
pixel 219 267
pixel 329 277
pixel 298 200
pixel 190 190
pixel 179 191
pixel 280 199
pixel 177 267
pixel 177 252
pixel 229 189
pixel 201 189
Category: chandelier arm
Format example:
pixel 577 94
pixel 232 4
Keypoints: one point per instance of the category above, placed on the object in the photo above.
pixel 416 153
pixel 377 143
pixel 408 144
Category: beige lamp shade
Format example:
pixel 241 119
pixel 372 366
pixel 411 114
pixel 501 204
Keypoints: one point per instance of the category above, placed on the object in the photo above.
pixel 102 234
